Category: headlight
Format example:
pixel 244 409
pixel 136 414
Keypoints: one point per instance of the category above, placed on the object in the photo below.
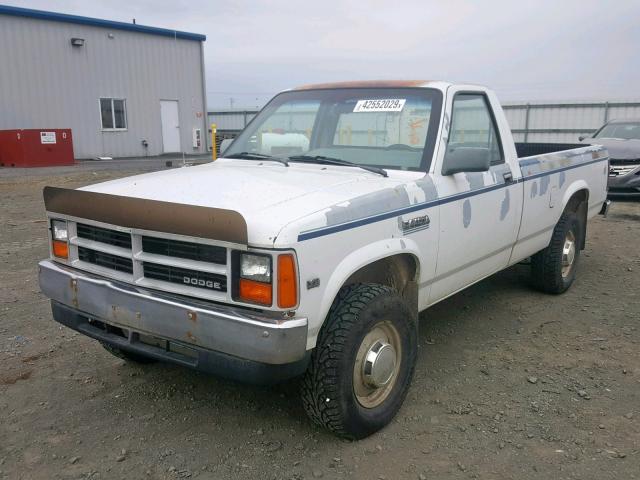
pixel 59 239
pixel 254 279
pixel 59 229
pixel 255 267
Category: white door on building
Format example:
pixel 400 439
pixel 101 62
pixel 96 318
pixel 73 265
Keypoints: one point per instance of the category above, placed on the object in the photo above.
pixel 170 126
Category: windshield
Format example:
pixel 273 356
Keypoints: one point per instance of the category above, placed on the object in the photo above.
pixel 626 131
pixel 392 128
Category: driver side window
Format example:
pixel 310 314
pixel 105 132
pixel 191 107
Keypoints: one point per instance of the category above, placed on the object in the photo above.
pixel 473 127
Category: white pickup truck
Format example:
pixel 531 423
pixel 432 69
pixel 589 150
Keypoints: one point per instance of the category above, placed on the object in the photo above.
pixel 338 214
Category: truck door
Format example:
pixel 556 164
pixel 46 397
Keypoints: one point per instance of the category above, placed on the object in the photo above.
pixel 480 211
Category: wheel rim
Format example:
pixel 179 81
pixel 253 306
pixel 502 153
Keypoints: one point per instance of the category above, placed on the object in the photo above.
pixel 568 253
pixel 377 365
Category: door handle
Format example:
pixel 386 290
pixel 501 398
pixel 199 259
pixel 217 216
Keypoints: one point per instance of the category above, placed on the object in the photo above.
pixel 508 177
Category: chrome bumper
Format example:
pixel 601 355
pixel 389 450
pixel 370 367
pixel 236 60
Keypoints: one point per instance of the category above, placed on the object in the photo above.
pixel 237 332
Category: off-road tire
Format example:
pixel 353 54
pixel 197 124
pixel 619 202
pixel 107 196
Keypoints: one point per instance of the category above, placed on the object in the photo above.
pixel 327 387
pixel 546 265
pixel 128 356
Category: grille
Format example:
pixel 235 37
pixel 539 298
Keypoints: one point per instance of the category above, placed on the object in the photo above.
pixel 105 260
pixel 618 170
pixel 145 270
pixel 187 250
pixel 186 277
pixel 103 235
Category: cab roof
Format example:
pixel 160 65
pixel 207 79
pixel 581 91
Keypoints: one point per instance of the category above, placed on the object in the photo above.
pixel 366 84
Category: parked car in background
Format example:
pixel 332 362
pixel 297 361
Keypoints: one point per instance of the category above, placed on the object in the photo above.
pixel 622 139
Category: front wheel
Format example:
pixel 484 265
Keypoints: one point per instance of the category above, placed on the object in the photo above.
pixel 363 363
pixel 554 269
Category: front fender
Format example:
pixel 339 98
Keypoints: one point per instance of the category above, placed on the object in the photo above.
pixel 353 262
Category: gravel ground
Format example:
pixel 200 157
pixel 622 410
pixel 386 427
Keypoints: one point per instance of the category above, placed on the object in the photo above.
pixel 510 383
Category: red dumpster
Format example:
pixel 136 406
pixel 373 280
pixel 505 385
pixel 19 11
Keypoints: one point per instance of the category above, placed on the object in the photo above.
pixel 36 148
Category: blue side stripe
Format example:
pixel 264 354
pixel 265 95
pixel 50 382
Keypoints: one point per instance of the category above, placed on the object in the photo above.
pixel 322 231
pixel 564 169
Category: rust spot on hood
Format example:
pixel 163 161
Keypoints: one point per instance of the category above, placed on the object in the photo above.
pixel 154 215
pixel 364 84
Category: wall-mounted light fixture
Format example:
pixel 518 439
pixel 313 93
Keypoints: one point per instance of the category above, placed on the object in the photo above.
pixel 77 42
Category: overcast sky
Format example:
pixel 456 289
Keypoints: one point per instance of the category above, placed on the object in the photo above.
pixel 525 50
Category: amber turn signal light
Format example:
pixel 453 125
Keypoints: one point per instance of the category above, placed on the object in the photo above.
pixel 254 292
pixel 287 282
pixel 60 249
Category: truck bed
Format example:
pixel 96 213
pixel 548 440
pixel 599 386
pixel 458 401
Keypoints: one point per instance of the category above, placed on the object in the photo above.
pixel 531 149
pixel 552 173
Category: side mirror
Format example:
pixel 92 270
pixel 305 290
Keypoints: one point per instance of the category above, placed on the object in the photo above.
pixel 224 144
pixel 465 159
pixel 582 137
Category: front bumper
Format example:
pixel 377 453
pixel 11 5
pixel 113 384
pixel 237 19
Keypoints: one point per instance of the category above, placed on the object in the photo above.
pixel 201 327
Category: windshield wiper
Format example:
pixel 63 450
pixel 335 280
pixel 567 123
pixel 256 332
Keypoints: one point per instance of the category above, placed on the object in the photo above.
pixel 258 156
pixel 335 161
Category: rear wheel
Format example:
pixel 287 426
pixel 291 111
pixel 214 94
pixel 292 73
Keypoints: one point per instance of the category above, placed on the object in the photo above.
pixel 363 363
pixel 125 355
pixel 554 269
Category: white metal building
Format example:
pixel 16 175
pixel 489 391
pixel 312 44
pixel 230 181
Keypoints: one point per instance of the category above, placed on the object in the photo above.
pixel 563 122
pixel 124 89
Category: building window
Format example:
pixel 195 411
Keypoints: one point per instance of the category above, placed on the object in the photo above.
pixel 113 113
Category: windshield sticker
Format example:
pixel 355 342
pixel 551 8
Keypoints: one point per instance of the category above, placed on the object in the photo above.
pixel 380 105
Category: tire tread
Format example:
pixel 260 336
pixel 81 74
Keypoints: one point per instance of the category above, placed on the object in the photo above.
pixel 319 388
pixel 545 265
